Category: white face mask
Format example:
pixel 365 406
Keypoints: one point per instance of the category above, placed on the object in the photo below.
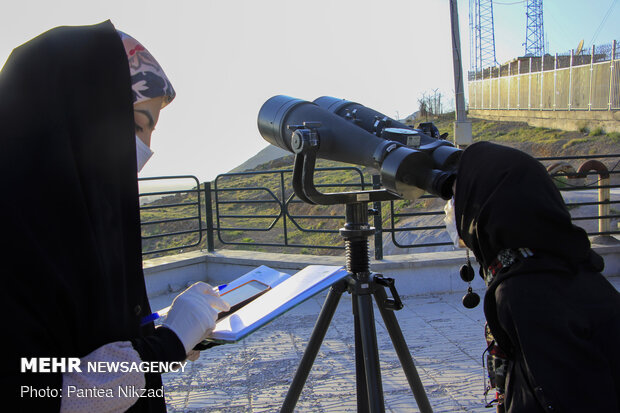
pixel 450 220
pixel 143 153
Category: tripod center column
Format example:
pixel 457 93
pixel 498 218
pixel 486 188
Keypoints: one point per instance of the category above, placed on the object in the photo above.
pixel 355 233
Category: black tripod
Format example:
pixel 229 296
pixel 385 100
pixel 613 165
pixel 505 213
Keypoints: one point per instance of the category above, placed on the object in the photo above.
pixel 363 285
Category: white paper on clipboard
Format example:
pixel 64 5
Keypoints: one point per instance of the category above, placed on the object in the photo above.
pixel 287 293
pixel 263 274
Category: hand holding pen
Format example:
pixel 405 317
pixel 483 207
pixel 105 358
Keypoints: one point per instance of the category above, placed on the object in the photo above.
pixel 193 314
pixel 162 313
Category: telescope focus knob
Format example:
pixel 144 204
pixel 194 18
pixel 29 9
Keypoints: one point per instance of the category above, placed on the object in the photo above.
pixel 380 124
pixel 304 137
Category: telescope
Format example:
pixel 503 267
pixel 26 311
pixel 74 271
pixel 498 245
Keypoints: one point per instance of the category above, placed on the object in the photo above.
pixel 410 161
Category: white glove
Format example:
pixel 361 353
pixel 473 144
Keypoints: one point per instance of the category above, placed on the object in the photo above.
pixel 193 314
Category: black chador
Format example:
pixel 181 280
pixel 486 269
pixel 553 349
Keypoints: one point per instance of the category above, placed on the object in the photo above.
pixel 70 249
pixel 548 307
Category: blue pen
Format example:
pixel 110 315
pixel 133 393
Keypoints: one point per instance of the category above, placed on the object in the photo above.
pixel 161 313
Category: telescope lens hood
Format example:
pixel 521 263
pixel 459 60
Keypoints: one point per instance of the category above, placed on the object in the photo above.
pixel 272 123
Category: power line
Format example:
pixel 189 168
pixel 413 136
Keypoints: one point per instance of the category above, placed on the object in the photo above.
pixel 602 24
pixel 510 4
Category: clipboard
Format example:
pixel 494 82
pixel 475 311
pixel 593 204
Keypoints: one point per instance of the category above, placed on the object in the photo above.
pixel 287 293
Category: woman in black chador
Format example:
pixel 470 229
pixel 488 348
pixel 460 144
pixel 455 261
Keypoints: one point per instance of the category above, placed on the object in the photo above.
pixel 551 312
pixel 78 106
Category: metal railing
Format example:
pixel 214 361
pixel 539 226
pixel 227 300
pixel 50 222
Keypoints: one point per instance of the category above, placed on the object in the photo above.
pixel 603 185
pixel 262 203
pixel 161 209
pixel 280 203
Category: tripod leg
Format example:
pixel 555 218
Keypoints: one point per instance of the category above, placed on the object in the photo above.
pixel 371 353
pixel 360 369
pixel 312 349
pixel 402 351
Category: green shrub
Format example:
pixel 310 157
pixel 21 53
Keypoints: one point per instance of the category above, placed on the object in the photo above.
pixel 614 136
pixel 598 131
pixel 574 142
pixel 583 128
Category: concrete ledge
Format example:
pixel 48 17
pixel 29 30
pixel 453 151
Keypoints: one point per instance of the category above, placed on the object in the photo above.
pixel 421 273
pixel 573 120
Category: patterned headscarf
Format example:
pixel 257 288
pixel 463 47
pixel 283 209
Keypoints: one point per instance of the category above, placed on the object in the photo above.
pixel 148 79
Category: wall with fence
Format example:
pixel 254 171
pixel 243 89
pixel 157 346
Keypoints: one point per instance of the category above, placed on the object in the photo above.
pixel 586 82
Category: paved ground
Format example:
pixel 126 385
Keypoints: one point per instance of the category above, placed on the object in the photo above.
pixel 445 339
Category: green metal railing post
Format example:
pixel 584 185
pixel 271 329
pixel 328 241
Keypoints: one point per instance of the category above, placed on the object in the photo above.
pixel 378 220
pixel 209 217
pixel 284 208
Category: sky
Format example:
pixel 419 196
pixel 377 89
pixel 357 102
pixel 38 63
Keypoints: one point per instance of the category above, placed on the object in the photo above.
pixel 226 58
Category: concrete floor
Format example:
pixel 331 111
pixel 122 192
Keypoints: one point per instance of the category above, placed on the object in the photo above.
pixel 445 339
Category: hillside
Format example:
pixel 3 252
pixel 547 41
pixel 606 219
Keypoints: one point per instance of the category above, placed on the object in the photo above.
pixel 258 209
pixel 265 155
pixel 539 142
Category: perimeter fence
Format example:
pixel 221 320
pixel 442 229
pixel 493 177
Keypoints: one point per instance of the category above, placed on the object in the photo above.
pixel 589 80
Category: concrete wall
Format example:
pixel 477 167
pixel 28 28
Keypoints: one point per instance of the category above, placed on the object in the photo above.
pixel 420 273
pixel 609 121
